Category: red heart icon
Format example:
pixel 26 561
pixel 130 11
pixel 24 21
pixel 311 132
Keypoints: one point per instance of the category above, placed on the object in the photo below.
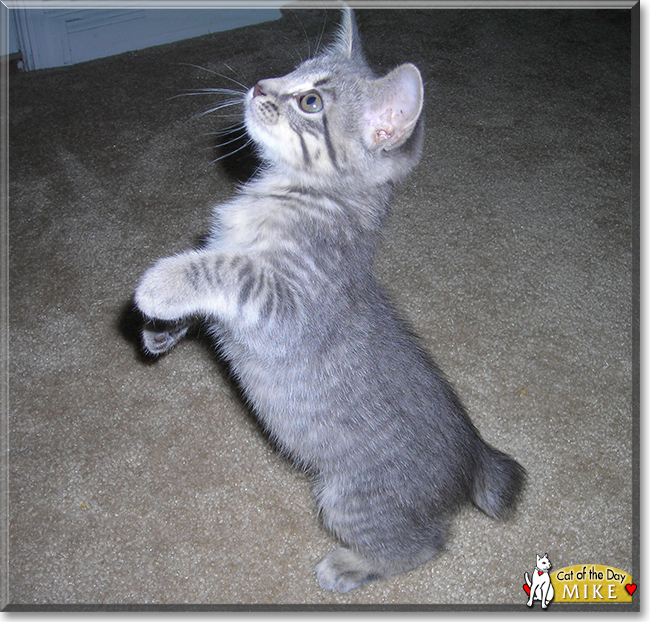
pixel 630 587
pixel 527 589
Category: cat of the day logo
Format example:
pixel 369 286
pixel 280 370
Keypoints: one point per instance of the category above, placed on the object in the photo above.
pixel 582 583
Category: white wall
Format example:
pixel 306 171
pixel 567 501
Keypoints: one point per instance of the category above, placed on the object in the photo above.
pixel 13 34
pixel 56 37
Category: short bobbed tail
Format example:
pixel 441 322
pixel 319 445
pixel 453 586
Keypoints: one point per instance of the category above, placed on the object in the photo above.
pixel 498 484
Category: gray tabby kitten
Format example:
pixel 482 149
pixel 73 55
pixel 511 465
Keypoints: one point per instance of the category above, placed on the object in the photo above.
pixel 286 283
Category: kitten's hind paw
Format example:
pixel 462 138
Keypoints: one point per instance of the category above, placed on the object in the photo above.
pixel 158 339
pixel 344 570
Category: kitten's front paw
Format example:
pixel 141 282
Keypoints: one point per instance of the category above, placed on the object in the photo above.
pixel 344 570
pixel 158 340
pixel 163 292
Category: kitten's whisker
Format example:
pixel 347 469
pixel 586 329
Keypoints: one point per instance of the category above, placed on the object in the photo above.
pixel 212 91
pixel 296 50
pixel 222 115
pixel 227 130
pixel 226 155
pixel 322 32
pixel 220 136
pixel 217 108
pixel 304 32
pixel 229 115
pixel 216 73
pixel 237 73
pixel 233 140
pixel 260 167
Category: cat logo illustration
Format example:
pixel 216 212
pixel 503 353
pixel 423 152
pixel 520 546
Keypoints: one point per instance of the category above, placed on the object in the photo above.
pixel 540 587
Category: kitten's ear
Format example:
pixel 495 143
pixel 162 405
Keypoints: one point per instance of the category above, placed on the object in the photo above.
pixel 348 43
pixel 395 107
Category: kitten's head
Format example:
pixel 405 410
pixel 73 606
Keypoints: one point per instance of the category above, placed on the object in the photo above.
pixel 332 117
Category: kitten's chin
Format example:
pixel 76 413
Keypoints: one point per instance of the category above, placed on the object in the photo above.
pixel 260 140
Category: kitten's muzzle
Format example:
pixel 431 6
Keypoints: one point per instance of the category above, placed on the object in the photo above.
pixel 265 110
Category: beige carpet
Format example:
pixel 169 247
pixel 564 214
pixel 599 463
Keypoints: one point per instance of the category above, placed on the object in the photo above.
pixel 510 251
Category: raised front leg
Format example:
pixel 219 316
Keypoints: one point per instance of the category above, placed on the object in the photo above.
pixel 227 287
pixel 159 337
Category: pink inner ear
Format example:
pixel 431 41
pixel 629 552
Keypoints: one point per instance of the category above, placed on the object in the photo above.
pixel 404 106
pixel 387 123
pixel 385 127
pixel 395 114
pixel 407 94
pixel 391 123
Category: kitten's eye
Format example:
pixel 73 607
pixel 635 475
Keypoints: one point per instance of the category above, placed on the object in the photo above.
pixel 310 102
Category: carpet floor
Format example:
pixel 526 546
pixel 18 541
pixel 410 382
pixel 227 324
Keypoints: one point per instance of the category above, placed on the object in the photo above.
pixel 510 250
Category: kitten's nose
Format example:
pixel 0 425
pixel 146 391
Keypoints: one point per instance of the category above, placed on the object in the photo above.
pixel 257 90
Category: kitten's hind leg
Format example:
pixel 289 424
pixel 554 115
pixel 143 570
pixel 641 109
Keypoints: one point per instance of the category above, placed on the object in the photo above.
pixel 344 569
pixel 160 337
pixel 385 536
